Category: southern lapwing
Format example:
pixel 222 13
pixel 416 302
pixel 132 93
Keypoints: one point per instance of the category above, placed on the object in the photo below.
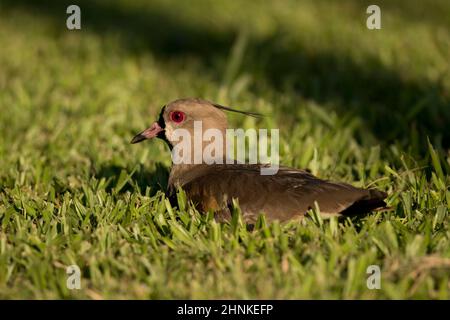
pixel 288 194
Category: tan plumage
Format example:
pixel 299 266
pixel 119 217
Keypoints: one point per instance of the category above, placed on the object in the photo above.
pixel 289 194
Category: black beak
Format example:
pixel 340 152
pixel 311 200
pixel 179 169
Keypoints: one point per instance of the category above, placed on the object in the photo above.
pixel 138 138
pixel 149 133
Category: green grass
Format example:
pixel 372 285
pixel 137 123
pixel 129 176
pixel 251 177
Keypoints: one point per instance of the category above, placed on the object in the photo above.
pixel 371 108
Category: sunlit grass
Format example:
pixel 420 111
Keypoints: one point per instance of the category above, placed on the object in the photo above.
pixel 366 107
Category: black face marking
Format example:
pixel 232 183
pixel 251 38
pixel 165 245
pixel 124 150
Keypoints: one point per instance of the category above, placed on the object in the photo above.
pixel 162 135
pixel 161 121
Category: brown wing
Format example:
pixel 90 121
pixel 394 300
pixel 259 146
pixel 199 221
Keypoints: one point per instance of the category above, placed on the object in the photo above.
pixel 286 195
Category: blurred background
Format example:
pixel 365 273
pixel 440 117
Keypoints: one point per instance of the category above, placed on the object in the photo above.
pixel 312 66
pixel 394 82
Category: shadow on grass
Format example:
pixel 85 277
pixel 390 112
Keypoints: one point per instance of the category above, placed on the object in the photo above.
pixel 392 108
pixel 121 179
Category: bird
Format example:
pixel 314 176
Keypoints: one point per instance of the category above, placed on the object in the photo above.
pixel 287 195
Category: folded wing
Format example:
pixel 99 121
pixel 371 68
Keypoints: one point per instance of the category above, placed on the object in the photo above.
pixel 287 195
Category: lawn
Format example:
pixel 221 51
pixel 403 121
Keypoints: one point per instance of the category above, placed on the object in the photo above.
pixel 368 107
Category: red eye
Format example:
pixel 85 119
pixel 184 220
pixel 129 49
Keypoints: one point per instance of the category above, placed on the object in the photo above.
pixel 177 116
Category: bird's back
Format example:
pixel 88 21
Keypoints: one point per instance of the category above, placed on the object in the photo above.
pixel 289 194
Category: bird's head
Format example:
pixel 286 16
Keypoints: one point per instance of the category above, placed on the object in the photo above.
pixel 184 114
